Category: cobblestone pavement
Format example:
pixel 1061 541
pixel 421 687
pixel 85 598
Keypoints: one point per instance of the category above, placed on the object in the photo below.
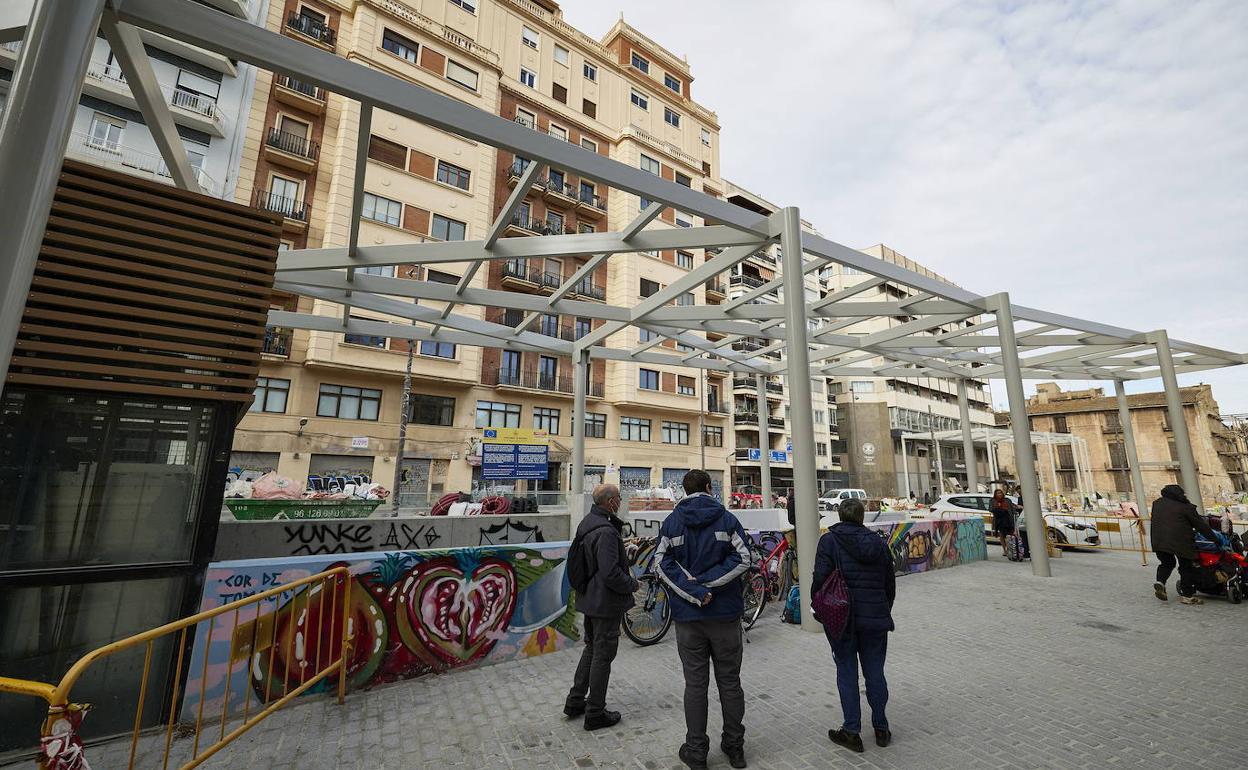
pixel 989 668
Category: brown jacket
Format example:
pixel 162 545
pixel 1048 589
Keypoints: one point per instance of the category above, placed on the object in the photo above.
pixel 1175 521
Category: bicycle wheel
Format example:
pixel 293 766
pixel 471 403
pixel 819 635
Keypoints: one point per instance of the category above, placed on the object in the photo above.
pixel 648 620
pixel 786 576
pixel 755 594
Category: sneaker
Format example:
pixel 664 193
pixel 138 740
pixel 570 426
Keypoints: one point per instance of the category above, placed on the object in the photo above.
pixel 883 737
pixel 736 755
pixel 851 741
pixel 1159 590
pixel 599 721
pixel 1191 600
pixel 691 758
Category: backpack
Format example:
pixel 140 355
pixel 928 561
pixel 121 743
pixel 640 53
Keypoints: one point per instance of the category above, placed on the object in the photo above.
pixel 792 612
pixel 831 602
pixel 580 568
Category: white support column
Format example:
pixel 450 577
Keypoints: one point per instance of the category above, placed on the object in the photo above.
pixel 905 467
pixel 764 439
pixel 992 459
pixel 33 133
pixel 1057 487
pixel 580 387
pixel 1024 454
pixel 1178 422
pixel 1128 442
pixel 801 421
pixel 968 443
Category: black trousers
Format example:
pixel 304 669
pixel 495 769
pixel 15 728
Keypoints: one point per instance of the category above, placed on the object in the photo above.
pixel 1187 571
pixel 701 644
pixel 593 672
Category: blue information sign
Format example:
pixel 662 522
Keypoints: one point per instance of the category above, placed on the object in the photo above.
pixel 509 453
pixel 778 456
pixel 756 454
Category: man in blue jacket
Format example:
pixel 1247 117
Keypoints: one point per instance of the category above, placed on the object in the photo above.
pixel 866 563
pixel 702 554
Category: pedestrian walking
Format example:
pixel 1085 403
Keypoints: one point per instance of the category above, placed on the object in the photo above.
pixel 1175 524
pixel 1003 512
pixel 702 554
pixel 866 564
pixel 607 595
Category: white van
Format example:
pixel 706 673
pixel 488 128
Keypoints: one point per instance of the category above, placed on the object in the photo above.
pixel 831 499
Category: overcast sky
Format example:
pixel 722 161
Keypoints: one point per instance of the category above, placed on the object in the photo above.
pixel 1089 157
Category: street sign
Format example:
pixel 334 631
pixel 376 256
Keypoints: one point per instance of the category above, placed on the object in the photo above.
pixel 756 454
pixel 779 457
pixel 514 453
pixel 788 447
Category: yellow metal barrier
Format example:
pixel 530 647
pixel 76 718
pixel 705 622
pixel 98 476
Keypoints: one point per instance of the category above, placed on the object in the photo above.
pixel 59 738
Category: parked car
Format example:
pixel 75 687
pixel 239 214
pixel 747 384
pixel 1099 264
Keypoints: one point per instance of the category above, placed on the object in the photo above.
pixel 831 499
pixel 1066 529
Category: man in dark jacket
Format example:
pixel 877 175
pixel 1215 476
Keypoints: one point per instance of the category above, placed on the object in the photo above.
pixel 604 602
pixel 1175 522
pixel 867 566
pixel 702 554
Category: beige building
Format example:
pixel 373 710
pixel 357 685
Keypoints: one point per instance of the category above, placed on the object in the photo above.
pixel 1221 461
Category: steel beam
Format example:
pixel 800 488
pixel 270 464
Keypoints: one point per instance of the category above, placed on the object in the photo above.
pixel 1128 441
pixel 968 443
pixel 1178 420
pixel 764 441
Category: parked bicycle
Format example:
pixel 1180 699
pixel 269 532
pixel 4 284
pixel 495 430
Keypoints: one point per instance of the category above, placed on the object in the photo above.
pixel 650 617
pixel 770 579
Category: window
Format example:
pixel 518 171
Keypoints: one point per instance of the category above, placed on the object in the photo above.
pixel 560 133
pixel 581 327
pixel 468 5
pixel 589 144
pixel 453 175
pixel 399 45
pixel 106 131
pixel 640 63
pixel 548 324
pixel 590 71
pixel 560 94
pixel 640 99
pixel 713 436
pixel 685 300
pixel 820 417
pixel 821 449
pixel 671 117
pixel 706 137
pixel 388 152
pixel 458 73
pixel 681 179
pixel 862 386
pixel 437 276
pixel 650 165
pixel 447 229
pixel 648 287
pixel 671 82
pixel 684 259
pixel 526 119
pixel 585 227
pixel 595 425
pixel 554 220
pixel 683 219
pixel 381 209
pixel 385 271
pixel 648 379
pixel 284 196
pixel 675 432
pixel 547 372
pixel 437 349
pixel 634 429
pixel 1059 424
pixel 546 419
pixel 683 348
pixel 530 38
pixel 509 372
pixel 496 414
pixel 270 395
pixel 645 335
pixel 348 403
pixel 561 55
pixel 528 78
pixel 686 386
pixel 591 110
pixel 370 340
pixel 431 410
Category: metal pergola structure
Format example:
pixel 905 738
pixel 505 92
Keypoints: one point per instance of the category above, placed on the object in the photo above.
pixel 947 332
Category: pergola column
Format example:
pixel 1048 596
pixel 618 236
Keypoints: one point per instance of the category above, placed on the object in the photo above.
pixel 968 443
pixel 801 417
pixel 1024 453
pixel 33 134
pixel 905 467
pixel 1178 422
pixel 764 439
pixel 580 386
pixel 1128 442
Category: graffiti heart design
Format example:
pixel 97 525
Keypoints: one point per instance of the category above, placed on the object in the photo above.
pixel 450 618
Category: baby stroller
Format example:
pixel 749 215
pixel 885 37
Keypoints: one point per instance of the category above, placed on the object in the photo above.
pixel 1221 567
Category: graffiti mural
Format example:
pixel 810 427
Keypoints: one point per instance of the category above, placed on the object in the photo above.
pixel 412 613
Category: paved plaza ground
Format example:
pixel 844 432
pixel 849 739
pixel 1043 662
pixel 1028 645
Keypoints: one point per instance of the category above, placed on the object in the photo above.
pixel 989 668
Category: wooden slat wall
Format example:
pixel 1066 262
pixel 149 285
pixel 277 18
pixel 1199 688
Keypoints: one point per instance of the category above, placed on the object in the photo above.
pixel 145 288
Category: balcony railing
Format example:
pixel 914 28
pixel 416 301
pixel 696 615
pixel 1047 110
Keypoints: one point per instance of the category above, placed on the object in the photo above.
pixel 774 387
pixel 117 156
pixel 539 325
pixel 746 418
pixel 313 28
pixel 591 290
pixel 307 89
pixel 523 271
pixel 293 144
pixel 277 341
pixel 717 407
pixel 746 280
pixel 775 422
pixel 110 75
pixel 590 199
pixel 194 102
pixel 715 286
pixel 291 208
pixel 538 226
pixel 529 378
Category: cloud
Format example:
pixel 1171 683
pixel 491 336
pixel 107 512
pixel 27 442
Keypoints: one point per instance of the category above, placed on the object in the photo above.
pixel 1088 157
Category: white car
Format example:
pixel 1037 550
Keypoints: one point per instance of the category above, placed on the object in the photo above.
pixel 1067 529
pixel 831 499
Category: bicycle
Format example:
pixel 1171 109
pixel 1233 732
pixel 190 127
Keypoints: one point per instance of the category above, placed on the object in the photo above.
pixel 650 617
pixel 768 580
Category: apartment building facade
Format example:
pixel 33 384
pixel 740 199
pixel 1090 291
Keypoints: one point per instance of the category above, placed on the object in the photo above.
pixel 1217 447
pixel 208 96
pixel 329 404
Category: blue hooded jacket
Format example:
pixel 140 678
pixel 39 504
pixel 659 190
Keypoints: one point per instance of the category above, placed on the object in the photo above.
pixel 866 563
pixel 702 548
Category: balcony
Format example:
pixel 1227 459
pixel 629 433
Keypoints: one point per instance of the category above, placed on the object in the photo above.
pixel 715 290
pixel 556 190
pixel 187 107
pixel 591 205
pixel 763 256
pixel 550 382
pixel 751 281
pixel 277 341
pixel 300 95
pixel 717 407
pixel 775 422
pixel 313 29
pixel 752 345
pixel 530 277
pixel 294 210
pixel 530 226
pixel 745 418
pixel 1115 428
pixel 587 289
pixel 291 150
pixel 119 157
pixel 539 325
